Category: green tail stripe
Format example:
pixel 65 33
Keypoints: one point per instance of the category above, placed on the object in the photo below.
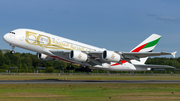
pixel 152 43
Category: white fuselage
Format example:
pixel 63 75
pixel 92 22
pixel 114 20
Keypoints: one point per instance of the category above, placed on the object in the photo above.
pixel 42 42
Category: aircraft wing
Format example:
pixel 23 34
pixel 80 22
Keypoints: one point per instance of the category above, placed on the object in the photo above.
pixel 138 55
pixel 131 55
pixel 95 57
pixel 92 54
pixel 60 52
pixel 153 66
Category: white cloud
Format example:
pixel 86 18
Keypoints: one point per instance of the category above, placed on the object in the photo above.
pixel 165 18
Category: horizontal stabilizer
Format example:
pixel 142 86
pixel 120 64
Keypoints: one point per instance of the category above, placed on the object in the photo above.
pixel 154 66
pixel 174 54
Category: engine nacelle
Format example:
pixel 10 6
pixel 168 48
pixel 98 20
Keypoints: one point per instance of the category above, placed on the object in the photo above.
pixel 111 56
pixel 46 57
pixel 78 56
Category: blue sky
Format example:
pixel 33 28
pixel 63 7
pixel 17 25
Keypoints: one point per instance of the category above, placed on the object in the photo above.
pixel 117 25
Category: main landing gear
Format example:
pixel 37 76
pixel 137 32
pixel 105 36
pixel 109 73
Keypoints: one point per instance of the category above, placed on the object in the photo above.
pixel 83 69
pixel 70 67
pixel 12 51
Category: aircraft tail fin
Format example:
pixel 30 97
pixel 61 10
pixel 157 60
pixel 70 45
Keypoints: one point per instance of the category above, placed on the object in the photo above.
pixel 147 45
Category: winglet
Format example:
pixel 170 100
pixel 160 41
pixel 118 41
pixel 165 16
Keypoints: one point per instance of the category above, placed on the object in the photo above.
pixel 174 54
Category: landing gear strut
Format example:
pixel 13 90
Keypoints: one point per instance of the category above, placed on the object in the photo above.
pixel 70 67
pixel 12 52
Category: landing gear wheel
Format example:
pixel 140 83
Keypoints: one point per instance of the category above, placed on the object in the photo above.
pixel 87 69
pixel 12 46
pixel 12 52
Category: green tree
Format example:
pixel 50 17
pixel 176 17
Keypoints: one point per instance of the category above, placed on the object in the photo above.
pixel 49 69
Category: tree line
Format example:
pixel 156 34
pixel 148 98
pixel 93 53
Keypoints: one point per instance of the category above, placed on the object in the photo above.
pixel 29 62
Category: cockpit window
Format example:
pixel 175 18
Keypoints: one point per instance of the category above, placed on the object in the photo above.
pixel 12 32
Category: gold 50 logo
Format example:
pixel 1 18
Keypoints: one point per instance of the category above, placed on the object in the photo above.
pixel 35 39
pixel 45 41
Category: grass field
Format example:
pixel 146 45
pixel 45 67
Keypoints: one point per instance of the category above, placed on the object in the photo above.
pixel 90 92
pixel 87 77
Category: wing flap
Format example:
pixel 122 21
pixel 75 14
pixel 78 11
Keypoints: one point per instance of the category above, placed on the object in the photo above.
pixel 60 52
pixel 94 56
pixel 138 55
pixel 145 54
pixel 153 66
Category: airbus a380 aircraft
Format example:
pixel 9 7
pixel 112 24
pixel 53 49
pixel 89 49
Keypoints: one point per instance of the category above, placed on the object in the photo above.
pixel 50 48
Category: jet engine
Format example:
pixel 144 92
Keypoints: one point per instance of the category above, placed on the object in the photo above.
pixel 46 57
pixel 111 56
pixel 78 56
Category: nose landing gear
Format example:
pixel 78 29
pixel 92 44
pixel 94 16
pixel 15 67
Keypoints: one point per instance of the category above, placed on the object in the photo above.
pixel 12 52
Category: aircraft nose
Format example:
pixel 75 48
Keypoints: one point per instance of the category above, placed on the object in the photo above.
pixel 5 37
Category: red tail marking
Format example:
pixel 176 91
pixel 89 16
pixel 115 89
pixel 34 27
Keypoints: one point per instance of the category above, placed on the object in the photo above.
pixel 123 61
pixel 139 48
